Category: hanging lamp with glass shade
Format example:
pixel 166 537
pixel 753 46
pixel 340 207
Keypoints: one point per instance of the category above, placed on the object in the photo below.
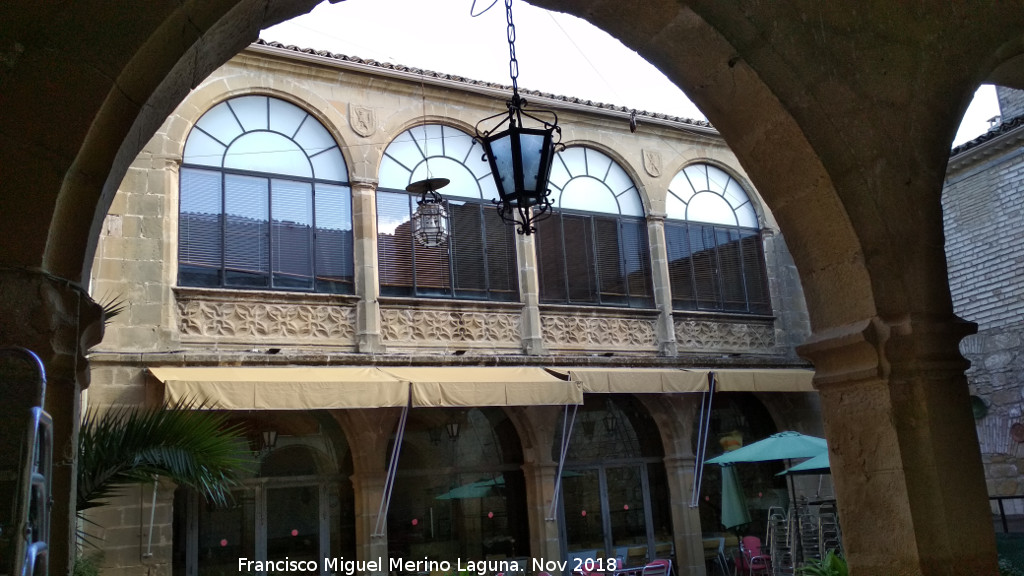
pixel 430 220
pixel 520 148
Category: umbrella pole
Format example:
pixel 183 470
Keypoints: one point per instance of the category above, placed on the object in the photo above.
pixel 797 546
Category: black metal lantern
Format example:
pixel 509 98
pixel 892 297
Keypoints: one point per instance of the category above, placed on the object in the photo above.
pixel 520 149
pixel 430 220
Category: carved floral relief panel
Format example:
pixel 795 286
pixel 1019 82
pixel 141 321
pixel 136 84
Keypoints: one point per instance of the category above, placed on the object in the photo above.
pixel 599 333
pixel 243 321
pixel 722 336
pixel 441 327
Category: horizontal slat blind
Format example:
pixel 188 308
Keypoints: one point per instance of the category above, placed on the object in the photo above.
pixel 334 266
pixel 200 250
pixel 246 231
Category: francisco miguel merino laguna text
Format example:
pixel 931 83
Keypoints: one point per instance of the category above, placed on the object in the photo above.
pixel 341 565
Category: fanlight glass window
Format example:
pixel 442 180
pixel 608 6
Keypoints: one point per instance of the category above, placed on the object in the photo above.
pixel 479 259
pixel 265 201
pixel 715 251
pixel 594 248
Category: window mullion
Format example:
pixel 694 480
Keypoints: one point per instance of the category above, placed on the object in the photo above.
pixel 623 258
pixel 450 247
pixel 223 229
pixel 270 227
pixel 743 270
pixel 595 268
pixel 412 252
pixel 719 277
pixel 565 260
pixel 486 255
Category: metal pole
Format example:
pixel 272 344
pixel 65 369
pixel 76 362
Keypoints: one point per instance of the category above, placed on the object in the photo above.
pixel 567 424
pixel 389 481
pixel 703 430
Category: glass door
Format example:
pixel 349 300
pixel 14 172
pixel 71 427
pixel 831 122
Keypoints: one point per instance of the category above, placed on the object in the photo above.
pixel 607 514
pixel 293 523
pixel 226 534
pixel 583 511
pixel 627 512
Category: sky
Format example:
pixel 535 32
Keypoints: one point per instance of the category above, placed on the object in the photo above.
pixel 556 52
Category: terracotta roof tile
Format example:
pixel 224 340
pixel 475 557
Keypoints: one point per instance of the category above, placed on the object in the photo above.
pixel 471 82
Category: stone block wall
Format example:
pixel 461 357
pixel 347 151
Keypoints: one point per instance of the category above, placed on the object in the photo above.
pixel 1011 102
pixel 983 205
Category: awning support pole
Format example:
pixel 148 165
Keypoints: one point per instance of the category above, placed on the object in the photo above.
pixel 567 424
pixel 704 428
pixel 389 481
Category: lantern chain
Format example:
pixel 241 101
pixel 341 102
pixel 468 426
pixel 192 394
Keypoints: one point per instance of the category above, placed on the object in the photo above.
pixel 513 64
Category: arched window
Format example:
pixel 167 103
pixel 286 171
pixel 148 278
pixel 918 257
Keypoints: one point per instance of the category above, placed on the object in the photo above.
pixel 593 249
pixel 479 259
pixel 715 252
pixel 265 201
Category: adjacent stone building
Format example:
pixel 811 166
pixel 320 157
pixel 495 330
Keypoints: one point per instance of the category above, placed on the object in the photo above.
pixel 983 202
pixel 262 242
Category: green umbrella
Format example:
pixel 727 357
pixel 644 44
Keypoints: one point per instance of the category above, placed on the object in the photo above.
pixel 477 489
pixel 734 503
pixel 816 465
pixel 782 446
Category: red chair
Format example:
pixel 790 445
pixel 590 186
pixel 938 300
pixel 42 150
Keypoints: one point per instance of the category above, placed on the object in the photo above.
pixel 751 559
pixel 660 567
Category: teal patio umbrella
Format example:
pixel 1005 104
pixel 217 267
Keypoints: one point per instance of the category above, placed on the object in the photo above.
pixel 734 503
pixel 478 489
pixel 816 465
pixel 787 445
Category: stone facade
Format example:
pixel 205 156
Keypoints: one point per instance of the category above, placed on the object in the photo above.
pixel 364 106
pixel 983 203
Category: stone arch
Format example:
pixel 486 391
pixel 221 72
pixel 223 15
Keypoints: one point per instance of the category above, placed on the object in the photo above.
pixel 842 124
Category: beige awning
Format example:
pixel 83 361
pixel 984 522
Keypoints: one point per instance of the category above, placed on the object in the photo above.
pixel 764 380
pixel 283 388
pixel 669 380
pixel 486 386
pixel 638 380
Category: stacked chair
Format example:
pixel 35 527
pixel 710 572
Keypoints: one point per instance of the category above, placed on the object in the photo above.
pixel 781 540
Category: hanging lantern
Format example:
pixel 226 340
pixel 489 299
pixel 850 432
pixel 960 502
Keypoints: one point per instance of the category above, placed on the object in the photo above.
pixel 430 220
pixel 520 149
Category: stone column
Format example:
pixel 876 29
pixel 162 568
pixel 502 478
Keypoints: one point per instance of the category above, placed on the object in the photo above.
pixel 903 448
pixel 540 489
pixel 368 488
pixel 686 529
pixel 665 331
pixel 367 284
pixel 531 331
pixel 57 320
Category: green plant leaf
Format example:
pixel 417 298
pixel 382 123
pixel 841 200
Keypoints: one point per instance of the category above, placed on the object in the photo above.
pixel 129 445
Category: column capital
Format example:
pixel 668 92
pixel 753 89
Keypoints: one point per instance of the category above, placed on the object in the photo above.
pixel 878 348
pixel 361 183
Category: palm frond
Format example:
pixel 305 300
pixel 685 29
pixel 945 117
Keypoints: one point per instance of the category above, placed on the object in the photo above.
pixel 128 445
pixel 112 304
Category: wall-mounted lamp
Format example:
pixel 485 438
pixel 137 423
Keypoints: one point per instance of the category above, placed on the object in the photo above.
pixel 453 427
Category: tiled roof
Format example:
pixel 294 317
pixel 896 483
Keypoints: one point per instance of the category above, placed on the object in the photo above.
pixel 471 82
pixel 994 132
